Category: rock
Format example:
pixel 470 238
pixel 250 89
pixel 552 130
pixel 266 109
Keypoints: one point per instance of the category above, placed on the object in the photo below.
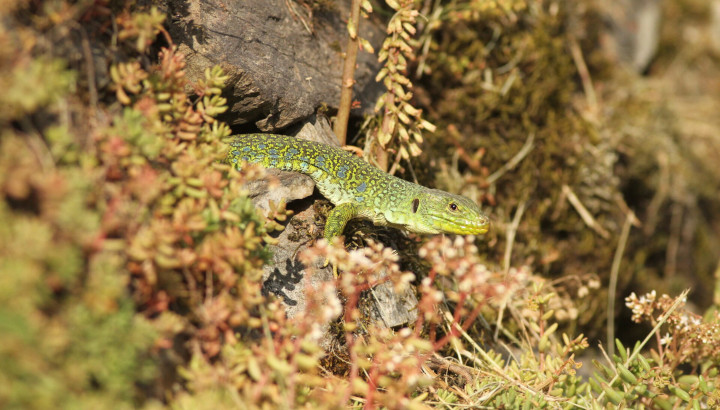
pixel 285 276
pixel 279 186
pixel 290 186
pixel 635 31
pixel 388 308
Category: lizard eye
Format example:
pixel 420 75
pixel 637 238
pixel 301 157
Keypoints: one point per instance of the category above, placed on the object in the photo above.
pixel 453 206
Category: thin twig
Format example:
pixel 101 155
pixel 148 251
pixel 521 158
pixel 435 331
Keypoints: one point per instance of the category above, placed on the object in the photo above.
pixel 610 361
pixel 584 76
pixel 498 322
pixel 673 245
pixel 511 231
pixel 614 271
pixel 37 145
pixel 526 148
pixel 426 37
pixel 90 73
pixel 412 171
pixel 584 213
pixel 393 169
pixel 343 115
pixel 437 362
pixel 294 13
pixel 508 83
pixel 716 291
pixel 661 193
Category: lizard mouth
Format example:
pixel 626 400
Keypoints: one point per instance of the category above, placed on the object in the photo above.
pixel 478 226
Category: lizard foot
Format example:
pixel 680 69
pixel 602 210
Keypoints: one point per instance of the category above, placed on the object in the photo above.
pixel 334 268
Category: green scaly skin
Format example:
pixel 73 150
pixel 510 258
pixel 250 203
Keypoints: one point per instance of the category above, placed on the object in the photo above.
pixel 359 190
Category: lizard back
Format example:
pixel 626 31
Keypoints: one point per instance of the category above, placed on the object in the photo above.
pixel 340 176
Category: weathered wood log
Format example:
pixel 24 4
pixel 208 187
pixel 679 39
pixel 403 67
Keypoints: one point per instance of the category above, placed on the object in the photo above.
pixel 281 69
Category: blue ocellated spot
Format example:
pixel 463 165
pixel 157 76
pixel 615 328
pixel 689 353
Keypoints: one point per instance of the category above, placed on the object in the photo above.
pixel 273 153
pixel 246 149
pixel 291 153
pixel 244 158
pixel 304 166
pixel 234 160
pixel 359 198
pixel 342 171
pixel 319 160
pixel 236 152
pixel 261 146
pixel 362 187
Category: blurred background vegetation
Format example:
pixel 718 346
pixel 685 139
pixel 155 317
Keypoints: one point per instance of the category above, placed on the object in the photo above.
pixel 130 260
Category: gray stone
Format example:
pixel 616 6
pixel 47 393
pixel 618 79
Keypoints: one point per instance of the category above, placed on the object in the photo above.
pixel 634 31
pixel 290 186
pixel 389 308
pixel 285 276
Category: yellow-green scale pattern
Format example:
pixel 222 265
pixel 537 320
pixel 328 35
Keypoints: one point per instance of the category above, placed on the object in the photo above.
pixel 359 190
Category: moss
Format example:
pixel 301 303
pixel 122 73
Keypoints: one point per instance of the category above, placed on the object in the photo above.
pixel 499 75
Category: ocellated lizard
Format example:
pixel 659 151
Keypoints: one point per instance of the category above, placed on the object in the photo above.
pixel 359 190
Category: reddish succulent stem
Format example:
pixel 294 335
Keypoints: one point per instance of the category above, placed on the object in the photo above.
pixel 372 383
pixel 290 396
pixel 456 318
pixel 350 307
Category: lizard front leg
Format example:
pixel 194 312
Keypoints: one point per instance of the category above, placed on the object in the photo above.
pixel 338 218
pixel 336 221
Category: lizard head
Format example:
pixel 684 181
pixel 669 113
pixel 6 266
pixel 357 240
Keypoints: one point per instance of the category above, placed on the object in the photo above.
pixel 441 212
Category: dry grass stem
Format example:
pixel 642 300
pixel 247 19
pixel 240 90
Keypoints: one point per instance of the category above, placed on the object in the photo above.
pixel 612 286
pixel 584 213
pixel 510 233
pixel 584 73
pixel 514 161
